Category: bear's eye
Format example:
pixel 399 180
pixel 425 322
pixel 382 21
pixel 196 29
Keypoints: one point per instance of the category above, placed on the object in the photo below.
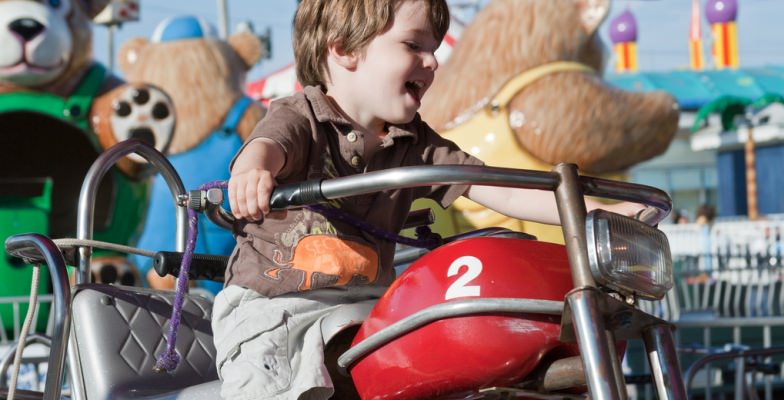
pixel 55 3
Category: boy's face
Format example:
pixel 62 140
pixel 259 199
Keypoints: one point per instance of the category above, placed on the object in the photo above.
pixel 397 66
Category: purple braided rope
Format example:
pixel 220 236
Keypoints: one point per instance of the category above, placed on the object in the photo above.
pixel 341 215
pixel 169 359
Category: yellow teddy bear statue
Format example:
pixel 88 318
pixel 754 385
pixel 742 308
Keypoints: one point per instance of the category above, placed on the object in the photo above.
pixel 531 96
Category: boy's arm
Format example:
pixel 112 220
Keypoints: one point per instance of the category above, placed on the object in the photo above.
pixel 535 205
pixel 253 178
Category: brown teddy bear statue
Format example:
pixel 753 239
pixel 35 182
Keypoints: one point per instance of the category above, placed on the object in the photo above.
pixel 205 78
pixel 531 96
pixel 58 110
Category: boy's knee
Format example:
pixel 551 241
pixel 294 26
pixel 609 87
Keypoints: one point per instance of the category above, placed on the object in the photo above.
pixel 258 367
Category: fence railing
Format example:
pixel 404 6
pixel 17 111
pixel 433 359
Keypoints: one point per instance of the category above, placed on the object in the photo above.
pixel 32 373
pixel 727 306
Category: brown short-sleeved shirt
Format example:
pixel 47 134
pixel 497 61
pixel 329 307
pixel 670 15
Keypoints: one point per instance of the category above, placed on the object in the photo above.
pixel 306 250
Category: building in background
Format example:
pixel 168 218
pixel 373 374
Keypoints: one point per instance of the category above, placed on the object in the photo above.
pixel 729 148
pixel 706 161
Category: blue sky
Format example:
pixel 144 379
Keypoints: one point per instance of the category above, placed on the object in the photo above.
pixel 663 27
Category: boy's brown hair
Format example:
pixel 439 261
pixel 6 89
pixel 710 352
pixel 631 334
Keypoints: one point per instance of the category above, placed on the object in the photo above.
pixel 353 23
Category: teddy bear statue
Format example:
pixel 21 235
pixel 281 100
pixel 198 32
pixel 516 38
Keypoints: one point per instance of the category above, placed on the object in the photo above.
pixel 59 109
pixel 531 96
pixel 205 77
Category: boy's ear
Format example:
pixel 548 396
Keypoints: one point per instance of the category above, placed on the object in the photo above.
pixel 343 58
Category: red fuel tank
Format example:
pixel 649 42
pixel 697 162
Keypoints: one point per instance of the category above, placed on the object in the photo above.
pixel 462 354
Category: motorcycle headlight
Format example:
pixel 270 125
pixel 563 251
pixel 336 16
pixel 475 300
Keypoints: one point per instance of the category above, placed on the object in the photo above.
pixel 628 256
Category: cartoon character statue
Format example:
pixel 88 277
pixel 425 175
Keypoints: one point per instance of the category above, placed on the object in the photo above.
pixel 205 77
pixel 58 110
pixel 531 95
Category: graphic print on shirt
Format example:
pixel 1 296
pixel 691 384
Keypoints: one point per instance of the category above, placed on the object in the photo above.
pixel 318 254
pixel 321 258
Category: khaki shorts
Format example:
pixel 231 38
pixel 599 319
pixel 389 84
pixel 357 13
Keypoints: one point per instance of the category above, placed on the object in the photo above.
pixel 273 348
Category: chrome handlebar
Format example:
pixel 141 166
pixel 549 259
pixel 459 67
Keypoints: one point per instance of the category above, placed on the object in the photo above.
pixel 88 193
pixel 316 191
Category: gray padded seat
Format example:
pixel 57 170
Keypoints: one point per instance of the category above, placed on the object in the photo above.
pixel 119 331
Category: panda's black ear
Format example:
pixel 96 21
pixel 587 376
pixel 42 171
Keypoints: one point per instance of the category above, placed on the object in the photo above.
pixel 91 8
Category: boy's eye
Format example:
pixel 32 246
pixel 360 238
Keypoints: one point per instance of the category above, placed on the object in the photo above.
pixel 412 46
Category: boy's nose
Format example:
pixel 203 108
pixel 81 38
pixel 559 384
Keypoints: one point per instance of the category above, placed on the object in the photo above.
pixel 430 62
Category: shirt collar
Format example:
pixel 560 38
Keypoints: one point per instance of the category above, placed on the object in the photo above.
pixel 325 111
pixel 405 130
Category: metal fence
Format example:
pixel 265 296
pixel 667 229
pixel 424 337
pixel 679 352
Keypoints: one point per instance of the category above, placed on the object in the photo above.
pixel 727 306
pixel 32 373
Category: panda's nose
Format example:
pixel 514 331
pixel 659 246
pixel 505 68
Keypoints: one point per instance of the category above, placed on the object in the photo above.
pixel 27 28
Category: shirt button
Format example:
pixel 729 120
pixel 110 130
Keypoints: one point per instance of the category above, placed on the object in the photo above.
pixel 352 137
pixel 356 161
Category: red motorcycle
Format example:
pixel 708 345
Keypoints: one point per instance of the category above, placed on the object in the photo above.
pixel 488 314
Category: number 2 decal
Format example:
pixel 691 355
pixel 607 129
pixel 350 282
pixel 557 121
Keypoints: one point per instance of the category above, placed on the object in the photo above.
pixel 460 288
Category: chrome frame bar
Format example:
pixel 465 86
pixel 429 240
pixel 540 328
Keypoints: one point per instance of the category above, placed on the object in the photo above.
pixel 406 177
pixel 438 312
pixel 572 212
pixel 88 193
pixel 61 305
pixel 666 370
pixel 599 361
pixel 620 379
pixel 595 350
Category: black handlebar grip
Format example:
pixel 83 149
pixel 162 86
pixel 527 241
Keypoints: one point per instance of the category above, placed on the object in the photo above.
pixel 296 194
pixel 203 266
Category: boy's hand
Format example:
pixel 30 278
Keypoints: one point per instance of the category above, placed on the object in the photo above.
pixel 253 178
pixel 249 193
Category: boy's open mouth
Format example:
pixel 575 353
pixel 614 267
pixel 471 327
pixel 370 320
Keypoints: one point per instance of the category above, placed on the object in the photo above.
pixel 415 88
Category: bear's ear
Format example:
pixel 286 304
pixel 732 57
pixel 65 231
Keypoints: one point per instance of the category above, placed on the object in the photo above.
pixel 93 7
pixel 592 13
pixel 129 53
pixel 248 46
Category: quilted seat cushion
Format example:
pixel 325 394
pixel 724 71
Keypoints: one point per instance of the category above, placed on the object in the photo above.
pixel 119 331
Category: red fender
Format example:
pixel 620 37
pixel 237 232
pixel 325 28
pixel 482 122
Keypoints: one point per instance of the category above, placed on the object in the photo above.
pixel 462 354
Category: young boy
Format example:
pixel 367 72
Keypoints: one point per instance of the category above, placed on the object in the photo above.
pixel 366 65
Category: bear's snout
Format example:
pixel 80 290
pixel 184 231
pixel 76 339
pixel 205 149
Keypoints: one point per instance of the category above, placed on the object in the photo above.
pixel 26 28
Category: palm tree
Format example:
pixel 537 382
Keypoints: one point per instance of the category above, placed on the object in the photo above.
pixel 735 113
pixel 750 150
